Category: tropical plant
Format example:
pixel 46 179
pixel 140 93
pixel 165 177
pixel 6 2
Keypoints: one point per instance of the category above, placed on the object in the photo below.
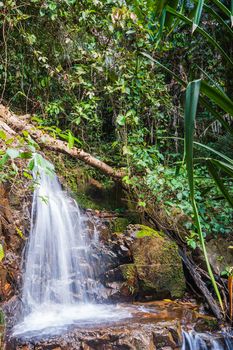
pixel 211 97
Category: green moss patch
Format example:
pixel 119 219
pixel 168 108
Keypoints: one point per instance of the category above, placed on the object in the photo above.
pixel 146 231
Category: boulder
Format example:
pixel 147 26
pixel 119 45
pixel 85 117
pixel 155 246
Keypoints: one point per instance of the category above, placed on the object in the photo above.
pixel 157 267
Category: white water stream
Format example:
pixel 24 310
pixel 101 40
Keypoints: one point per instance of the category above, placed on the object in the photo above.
pixel 205 341
pixel 59 286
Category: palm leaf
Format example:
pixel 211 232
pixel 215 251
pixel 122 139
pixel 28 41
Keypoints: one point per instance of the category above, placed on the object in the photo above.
pixel 204 88
pixel 182 82
pixel 214 173
pixel 226 167
pixel 231 12
pixel 161 23
pixel 160 6
pixel 191 103
pixel 202 32
pixel 197 16
pixel 218 18
pixel 216 115
pixel 222 7
pixel 217 96
pixel 212 150
pixel 169 17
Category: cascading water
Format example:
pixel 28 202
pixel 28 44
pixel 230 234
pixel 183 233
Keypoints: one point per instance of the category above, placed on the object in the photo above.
pixel 205 341
pixel 56 267
pixel 59 286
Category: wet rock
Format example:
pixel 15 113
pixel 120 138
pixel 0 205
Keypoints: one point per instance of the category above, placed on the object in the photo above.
pixel 11 308
pixel 130 336
pixel 119 224
pixel 142 262
pixel 156 269
pixel 220 253
pixel 114 275
pixel 12 220
pixel 206 323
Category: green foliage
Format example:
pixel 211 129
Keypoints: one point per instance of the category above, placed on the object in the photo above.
pixel 22 159
pixel 110 76
pixel 191 103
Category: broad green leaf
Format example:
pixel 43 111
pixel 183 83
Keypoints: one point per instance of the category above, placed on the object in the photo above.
pixel 227 168
pixel 40 163
pixel 20 233
pixel 2 254
pixel 78 141
pixel 13 153
pixel 214 173
pixel 9 141
pixel 161 23
pixel 4 159
pixel 169 18
pixel 214 151
pixel 52 6
pixel 25 132
pixel 25 155
pixel 2 135
pixel 191 102
pixel 27 175
pixel 197 16
pixel 70 140
pixel 31 164
pixel 121 119
pixel 232 13
pixel 222 7
pixel 160 5
pixel 217 96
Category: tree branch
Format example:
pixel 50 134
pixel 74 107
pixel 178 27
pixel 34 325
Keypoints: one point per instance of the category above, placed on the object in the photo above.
pixel 44 140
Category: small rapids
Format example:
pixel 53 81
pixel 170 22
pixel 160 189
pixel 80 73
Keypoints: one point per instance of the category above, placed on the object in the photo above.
pixel 205 341
pixel 59 286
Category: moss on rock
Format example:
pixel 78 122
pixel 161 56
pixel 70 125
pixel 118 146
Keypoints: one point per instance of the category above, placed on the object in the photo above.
pixel 146 231
pixel 120 224
pixel 129 273
pixel 157 263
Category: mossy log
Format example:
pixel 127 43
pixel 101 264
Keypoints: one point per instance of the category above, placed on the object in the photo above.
pixel 21 123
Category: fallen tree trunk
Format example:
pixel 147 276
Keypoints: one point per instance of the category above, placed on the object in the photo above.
pixel 19 124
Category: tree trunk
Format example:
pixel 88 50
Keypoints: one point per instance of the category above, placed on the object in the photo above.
pixel 20 124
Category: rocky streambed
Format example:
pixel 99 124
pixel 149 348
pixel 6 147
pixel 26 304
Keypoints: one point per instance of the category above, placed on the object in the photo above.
pixel 134 268
pixel 151 326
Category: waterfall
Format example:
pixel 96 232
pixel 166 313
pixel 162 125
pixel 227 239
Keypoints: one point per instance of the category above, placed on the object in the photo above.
pixel 57 268
pixel 205 341
pixel 59 286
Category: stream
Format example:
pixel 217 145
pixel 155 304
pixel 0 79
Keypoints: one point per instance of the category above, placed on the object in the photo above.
pixel 60 290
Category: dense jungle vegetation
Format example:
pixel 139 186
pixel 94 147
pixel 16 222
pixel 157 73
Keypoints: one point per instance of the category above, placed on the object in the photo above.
pixel 145 86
